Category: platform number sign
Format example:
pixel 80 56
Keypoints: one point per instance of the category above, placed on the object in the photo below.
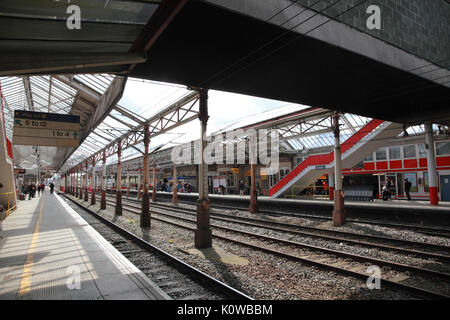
pixel 46 129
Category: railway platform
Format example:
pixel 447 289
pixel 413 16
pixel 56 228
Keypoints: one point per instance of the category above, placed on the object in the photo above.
pixel 48 252
pixel 398 211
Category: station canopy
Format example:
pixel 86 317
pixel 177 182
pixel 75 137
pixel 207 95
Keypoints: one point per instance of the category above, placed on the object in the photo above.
pixel 44 66
pixel 302 129
pixel 203 43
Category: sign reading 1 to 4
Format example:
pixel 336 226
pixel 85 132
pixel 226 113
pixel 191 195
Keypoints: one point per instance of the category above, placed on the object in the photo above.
pixel 46 129
pixel 68 134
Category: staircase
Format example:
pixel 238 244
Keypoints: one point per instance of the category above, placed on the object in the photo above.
pixel 365 141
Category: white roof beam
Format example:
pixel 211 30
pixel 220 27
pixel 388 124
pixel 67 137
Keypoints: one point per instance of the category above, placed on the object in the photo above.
pixel 26 85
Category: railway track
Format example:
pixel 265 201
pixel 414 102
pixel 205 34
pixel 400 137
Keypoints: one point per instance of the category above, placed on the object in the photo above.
pixel 440 252
pixel 395 275
pixel 426 230
pixel 178 279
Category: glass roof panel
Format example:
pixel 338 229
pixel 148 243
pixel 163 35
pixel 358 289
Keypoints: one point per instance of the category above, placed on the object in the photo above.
pixel 111 11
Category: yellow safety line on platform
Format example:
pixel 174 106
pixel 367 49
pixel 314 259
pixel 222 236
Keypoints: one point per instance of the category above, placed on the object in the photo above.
pixel 25 284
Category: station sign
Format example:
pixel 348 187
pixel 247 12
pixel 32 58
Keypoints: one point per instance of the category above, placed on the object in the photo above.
pixel 19 171
pixel 235 170
pixel 46 129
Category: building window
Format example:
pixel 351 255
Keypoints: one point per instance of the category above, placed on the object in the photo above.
pixel 369 158
pixel 381 154
pixel 443 148
pixel 422 151
pixel 409 151
pixel 299 160
pixel 283 172
pixel 394 153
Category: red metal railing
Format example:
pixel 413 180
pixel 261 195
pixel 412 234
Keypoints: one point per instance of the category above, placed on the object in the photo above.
pixel 325 159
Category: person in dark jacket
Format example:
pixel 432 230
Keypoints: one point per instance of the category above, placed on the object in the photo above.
pixel 389 188
pixel 31 191
pixel 407 188
pixel 241 188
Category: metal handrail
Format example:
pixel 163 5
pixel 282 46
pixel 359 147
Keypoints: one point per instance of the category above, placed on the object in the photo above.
pixel 7 212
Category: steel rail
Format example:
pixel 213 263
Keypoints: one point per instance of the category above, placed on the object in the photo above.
pixel 416 291
pixel 285 228
pixel 209 279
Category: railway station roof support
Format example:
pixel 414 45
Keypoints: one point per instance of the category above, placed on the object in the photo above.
pixel 176 114
pixel 278 49
pixel 303 55
pixel 91 97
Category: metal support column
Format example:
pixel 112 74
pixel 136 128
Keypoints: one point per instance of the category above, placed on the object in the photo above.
pixel 338 212
pixel 80 195
pixel 119 179
pixel 431 163
pixel 154 191
pixel 86 182
pixel 175 183
pixel 103 199
pixel 93 182
pixel 203 234
pixel 145 208
pixel 253 193
pixel 76 183
pixel 128 184
pixel 139 186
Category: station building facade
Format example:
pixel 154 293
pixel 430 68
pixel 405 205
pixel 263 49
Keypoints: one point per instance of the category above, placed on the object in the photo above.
pixel 400 162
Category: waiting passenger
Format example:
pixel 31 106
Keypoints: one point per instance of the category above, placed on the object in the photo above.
pixel 407 188
pixel 241 188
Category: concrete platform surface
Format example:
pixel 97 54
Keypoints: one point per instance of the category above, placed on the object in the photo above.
pixel 48 252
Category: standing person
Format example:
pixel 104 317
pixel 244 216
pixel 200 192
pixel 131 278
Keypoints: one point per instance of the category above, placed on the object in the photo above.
pixel 33 190
pixel 325 187
pixel 407 188
pixel 241 188
pixel 51 187
pixel 39 190
pixel 42 187
pixel 388 188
